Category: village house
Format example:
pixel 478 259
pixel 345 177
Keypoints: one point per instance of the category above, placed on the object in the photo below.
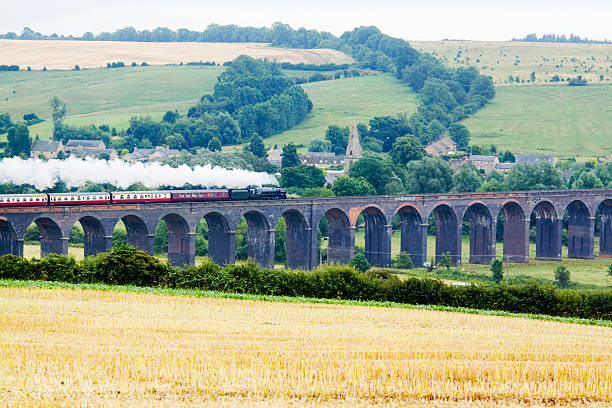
pixel 444 146
pixel 46 148
pixel 108 154
pixel 533 158
pixel 75 144
pixel 276 157
pixel 159 154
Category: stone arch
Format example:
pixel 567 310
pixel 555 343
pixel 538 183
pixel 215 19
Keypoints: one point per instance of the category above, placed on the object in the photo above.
pixel 548 231
pixel 221 240
pixel 377 237
pixel 95 239
pixel 181 241
pixel 516 232
pixel 260 239
pixel 580 230
pixel 298 240
pixel 413 231
pixel 448 233
pixel 341 235
pixel 52 240
pixel 9 243
pixel 482 233
pixel 138 234
pixel 605 230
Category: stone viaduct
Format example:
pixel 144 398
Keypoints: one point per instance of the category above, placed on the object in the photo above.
pixel 544 208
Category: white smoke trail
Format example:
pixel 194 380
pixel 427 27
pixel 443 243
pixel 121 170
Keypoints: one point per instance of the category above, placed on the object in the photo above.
pixel 76 172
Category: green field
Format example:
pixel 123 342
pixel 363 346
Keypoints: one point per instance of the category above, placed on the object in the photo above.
pixel 501 59
pixel 343 101
pixel 104 96
pixel 564 121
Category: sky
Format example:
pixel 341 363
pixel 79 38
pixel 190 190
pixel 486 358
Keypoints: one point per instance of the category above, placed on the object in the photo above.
pixel 408 19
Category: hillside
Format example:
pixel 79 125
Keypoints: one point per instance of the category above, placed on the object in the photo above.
pixel 502 59
pixel 93 54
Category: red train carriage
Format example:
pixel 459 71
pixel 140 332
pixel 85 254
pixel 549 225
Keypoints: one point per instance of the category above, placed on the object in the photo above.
pixel 20 200
pixel 79 198
pixel 122 197
pixel 200 195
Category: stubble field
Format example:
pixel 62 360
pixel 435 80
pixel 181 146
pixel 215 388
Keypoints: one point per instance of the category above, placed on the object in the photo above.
pixel 81 347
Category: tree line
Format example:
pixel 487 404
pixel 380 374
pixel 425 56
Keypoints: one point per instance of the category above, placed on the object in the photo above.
pixel 560 38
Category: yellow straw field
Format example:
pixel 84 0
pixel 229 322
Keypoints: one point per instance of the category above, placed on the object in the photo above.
pixel 65 347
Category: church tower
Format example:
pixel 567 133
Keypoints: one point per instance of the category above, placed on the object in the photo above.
pixel 353 148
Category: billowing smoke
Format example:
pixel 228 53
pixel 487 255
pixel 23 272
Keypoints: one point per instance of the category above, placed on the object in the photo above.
pixel 76 172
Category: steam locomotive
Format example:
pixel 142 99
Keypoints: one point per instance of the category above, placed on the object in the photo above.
pixel 123 197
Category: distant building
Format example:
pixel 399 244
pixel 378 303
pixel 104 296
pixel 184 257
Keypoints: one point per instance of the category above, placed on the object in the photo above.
pixel 446 145
pixel 74 144
pixel 47 148
pixel 533 158
pixel 353 148
pixel 159 154
pixel 96 153
pixel 483 164
pixel 321 159
pixel 276 157
pixel 504 167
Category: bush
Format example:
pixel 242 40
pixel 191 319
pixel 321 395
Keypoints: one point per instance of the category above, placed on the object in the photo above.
pixel 562 276
pixel 403 261
pixel 497 270
pixel 360 262
pixel 127 265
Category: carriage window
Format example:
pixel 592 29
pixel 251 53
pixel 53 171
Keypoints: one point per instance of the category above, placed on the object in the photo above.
pixel 182 195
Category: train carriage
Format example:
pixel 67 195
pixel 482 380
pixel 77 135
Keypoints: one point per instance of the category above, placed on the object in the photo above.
pixel 21 200
pixel 124 197
pixel 200 195
pixel 79 198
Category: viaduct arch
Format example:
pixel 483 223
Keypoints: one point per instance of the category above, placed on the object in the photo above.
pixel 518 212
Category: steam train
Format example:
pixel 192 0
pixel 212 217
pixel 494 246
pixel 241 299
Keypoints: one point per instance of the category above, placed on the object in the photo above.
pixel 124 197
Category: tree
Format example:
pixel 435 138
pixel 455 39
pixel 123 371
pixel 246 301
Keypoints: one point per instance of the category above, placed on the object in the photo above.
pixel 290 157
pixel 256 146
pixel 429 175
pixel 5 122
pixel 532 76
pixel 403 261
pixel 58 109
pixel 350 186
pixel 176 141
pixel 302 176
pixel 466 180
pixel 338 137
pixel 360 262
pixel 537 176
pixel 170 116
pixel 459 133
pixel 376 171
pixel 562 276
pixel 497 270
pixel 214 145
pixel 405 149
pixel 587 180
pixel 319 145
pixel 19 140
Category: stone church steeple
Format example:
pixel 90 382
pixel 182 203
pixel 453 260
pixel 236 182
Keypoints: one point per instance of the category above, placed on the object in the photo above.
pixel 353 148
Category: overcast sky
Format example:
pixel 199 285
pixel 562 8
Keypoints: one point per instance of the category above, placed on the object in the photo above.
pixel 411 20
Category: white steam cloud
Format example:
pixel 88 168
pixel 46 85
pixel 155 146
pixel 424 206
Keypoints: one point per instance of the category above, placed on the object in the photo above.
pixel 76 172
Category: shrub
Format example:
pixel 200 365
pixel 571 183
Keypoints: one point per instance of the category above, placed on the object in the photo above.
pixel 562 276
pixel 497 270
pixel 360 262
pixel 403 261
pixel 446 260
pixel 127 265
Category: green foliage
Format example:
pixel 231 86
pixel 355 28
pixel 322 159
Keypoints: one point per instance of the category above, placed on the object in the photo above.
pixel 5 122
pixel 338 137
pixel 127 265
pixel 378 172
pixel 289 156
pixel 58 109
pixel 610 270
pixel 302 176
pixel 587 180
pixel 497 270
pixel 317 192
pixel 537 176
pixel 19 140
pixel 214 145
pixel 466 180
pixel 459 133
pixel 446 260
pixel 562 276
pixel 403 261
pixel 360 262
pixel 405 149
pixel 256 146
pixel 429 175
pixel 350 186
pixel 319 145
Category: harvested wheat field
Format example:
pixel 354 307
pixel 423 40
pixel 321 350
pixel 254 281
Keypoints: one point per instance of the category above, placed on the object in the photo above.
pixel 94 54
pixel 64 347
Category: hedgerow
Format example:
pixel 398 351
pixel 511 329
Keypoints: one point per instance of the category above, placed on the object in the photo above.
pixel 128 266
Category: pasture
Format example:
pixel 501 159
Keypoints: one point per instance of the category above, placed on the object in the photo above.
pixel 562 121
pixel 94 54
pixel 112 348
pixel 500 59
